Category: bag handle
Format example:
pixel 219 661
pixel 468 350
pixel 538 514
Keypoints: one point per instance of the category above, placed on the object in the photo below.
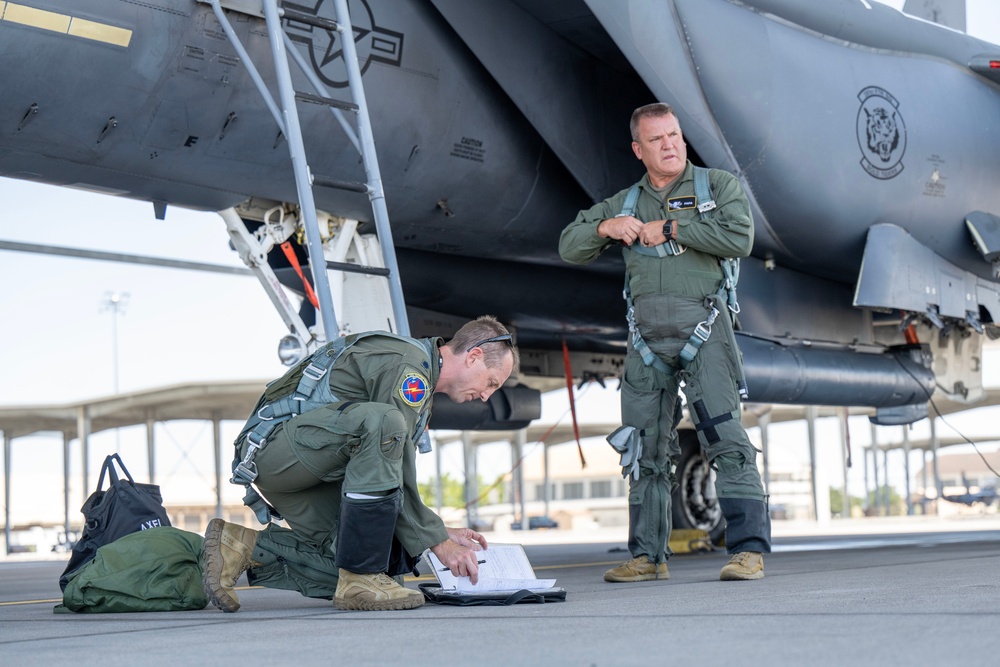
pixel 109 468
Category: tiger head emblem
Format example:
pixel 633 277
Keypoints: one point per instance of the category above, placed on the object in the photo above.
pixel 883 135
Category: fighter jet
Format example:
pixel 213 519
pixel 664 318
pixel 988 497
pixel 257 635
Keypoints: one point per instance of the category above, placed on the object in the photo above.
pixel 987 495
pixel 868 143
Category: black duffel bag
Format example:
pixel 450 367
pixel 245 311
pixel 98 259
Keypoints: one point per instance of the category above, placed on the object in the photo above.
pixel 126 507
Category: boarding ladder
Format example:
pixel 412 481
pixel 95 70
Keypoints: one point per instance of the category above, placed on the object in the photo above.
pixel 286 116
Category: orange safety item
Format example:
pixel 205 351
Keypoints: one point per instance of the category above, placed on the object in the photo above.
pixel 572 401
pixel 294 261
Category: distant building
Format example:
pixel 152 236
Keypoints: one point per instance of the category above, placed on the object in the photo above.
pixel 596 496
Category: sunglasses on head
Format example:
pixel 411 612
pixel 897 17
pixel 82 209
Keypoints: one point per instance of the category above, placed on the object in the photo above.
pixel 505 338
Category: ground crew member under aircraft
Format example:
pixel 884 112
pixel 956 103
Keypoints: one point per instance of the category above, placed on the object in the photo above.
pixel 343 474
pixel 676 283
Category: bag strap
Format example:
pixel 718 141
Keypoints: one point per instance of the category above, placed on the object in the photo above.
pixel 109 468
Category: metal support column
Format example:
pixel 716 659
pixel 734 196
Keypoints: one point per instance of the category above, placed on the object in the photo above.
pixel 886 498
pixel 877 495
pixel 845 505
pixel 471 479
pixel 763 423
pixel 517 478
pixel 937 477
pixel 546 479
pixel 923 481
pixel 865 506
pixel 66 440
pixel 151 446
pixel 217 442
pixel 83 433
pixel 906 470
pixel 438 483
pixel 811 412
pixel 6 492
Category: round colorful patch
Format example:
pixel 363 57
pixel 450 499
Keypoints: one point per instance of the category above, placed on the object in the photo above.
pixel 413 390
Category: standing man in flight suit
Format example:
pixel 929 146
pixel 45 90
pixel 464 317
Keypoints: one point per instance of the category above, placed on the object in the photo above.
pixel 673 271
pixel 342 473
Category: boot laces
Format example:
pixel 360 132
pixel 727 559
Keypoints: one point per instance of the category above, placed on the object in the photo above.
pixel 383 579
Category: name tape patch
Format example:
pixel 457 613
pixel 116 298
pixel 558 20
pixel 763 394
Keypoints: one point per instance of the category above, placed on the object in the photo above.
pixel 681 203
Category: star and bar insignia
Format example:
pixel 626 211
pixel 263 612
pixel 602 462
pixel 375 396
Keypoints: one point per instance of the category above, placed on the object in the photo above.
pixel 413 390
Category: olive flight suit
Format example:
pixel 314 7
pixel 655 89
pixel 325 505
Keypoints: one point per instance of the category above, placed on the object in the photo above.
pixel 671 296
pixel 363 443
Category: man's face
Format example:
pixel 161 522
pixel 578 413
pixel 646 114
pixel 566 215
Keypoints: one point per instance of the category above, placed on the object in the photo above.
pixel 474 381
pixel 661 148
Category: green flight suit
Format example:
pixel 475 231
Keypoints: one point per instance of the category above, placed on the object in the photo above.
pixel 671 295
pixel 363 443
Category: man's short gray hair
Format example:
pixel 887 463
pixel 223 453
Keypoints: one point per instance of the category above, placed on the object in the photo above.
pixel 654 110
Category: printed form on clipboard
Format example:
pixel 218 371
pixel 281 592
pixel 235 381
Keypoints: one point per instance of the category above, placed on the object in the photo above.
pixel 502 567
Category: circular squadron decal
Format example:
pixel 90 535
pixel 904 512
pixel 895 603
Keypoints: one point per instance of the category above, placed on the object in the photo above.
pixel 881 133
pixel 325 50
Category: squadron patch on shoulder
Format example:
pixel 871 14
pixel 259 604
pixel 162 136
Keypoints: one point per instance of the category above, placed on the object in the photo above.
pixel 413 390
pixel 681 203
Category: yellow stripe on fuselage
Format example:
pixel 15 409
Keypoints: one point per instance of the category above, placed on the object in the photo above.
pixel 65 24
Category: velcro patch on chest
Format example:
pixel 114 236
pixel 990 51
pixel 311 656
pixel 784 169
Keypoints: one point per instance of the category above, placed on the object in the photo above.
pixel 681 203
pixel 413 390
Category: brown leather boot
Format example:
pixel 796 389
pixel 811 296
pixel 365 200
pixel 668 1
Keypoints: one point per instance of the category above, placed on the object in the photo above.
pixel 228 554
pixel 742 566
pixel 637 569
pixel 373 592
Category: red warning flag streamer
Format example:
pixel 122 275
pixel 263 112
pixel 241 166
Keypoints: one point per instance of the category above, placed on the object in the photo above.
pixel 572 401
pixel 294 261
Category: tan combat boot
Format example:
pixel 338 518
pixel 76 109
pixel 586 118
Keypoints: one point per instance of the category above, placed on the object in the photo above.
pixel 638 569
pixel 373 592
pixel 742 566
pixel 228 554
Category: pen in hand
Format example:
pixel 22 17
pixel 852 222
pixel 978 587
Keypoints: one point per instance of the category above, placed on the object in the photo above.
pixel 448 569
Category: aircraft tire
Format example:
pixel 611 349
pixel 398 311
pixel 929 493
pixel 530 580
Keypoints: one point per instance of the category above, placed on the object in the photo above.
pixel 694 503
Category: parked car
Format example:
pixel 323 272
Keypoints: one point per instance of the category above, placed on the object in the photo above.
pixel 536 523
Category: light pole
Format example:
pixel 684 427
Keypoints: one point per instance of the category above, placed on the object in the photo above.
pixel 115 302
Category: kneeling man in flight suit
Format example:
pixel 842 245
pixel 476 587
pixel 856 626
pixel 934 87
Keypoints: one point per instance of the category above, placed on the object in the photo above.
pixel 339 466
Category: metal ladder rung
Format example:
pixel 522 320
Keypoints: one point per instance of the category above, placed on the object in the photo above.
pixel 357 268
pixel 350 186
pixel 308 19
pixel 325 101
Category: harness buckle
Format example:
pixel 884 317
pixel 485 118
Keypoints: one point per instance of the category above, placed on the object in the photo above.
pixel 262 417
pixel 314 372
pixel 675 248
pixel 707 206
pixel 702 331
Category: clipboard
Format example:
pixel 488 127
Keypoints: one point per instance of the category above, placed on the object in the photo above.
pixel 505 578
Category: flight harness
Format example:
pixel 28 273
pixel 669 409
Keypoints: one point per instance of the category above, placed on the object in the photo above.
pixel 727 290
pixel 310 392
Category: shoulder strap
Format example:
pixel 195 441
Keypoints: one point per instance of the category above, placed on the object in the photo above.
pixel 703 191
pixel 628 208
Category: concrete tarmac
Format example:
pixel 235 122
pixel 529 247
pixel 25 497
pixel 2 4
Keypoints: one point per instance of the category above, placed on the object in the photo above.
pixel 877 593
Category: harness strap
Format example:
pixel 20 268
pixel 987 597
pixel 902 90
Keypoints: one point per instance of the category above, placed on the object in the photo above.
pixel 703 191
pixel 628 208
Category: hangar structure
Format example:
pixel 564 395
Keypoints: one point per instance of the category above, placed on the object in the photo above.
pixel 223 401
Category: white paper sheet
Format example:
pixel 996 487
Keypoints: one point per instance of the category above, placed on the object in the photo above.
pixel 502 567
